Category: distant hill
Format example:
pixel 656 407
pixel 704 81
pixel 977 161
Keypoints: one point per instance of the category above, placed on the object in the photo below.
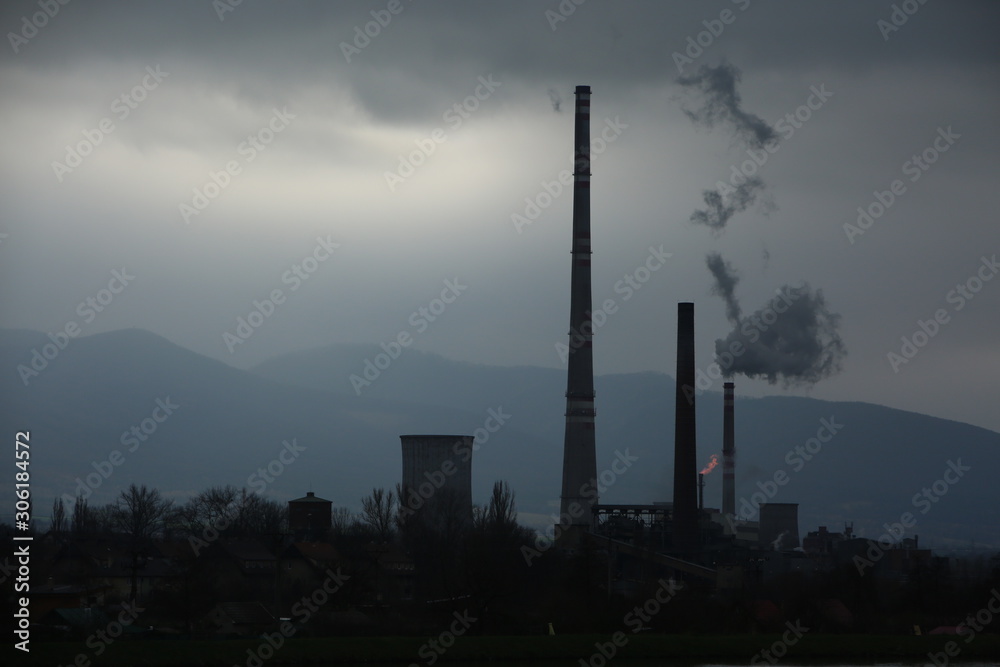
pixel 231 422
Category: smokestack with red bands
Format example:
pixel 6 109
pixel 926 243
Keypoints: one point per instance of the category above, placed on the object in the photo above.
pixel 579 479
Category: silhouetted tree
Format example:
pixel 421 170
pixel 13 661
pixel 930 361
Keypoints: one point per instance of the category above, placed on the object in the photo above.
pixel 496 571
pixel 58 516
pixel 379 511
pixel 84 521
pixel 138 513
pixel 340 520
pixel 499 517
pixel 233 512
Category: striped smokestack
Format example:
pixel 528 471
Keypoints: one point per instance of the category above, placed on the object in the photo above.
pixel 579 480
pixel 728 453
pixel 685 526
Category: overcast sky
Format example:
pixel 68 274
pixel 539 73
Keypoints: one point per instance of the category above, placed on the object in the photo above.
pixel 116 116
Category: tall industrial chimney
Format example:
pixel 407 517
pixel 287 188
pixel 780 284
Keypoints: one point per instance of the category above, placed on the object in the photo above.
pixel 728 453
pixel 685 522
pixel 579 447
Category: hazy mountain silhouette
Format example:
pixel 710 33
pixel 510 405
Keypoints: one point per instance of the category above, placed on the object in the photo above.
pixel 231 422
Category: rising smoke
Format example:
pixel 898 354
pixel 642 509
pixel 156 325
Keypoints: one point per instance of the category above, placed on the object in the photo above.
pixel 720 103
pixel 794 338
pixel 725 284
pixel 556 99
pixel 715 88
pixel 720 208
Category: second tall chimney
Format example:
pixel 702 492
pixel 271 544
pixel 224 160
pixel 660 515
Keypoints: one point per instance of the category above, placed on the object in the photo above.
pixel 579 478
pixel 685 522
pixel 728 453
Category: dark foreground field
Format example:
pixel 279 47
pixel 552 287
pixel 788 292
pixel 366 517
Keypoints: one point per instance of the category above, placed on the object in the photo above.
pixel 740 649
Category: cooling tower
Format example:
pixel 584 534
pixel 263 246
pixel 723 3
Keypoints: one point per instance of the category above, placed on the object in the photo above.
pixel 779 526
pixel 579 493
pixel 728 452
pixel 437 474
pixel 685 523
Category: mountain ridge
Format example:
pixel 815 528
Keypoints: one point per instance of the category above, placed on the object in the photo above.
pixel 232 421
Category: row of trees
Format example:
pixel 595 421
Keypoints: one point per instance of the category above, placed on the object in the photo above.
pixel 142 512
pixel 452 551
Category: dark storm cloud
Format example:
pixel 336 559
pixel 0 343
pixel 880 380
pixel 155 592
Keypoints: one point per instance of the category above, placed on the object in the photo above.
pixel 725 284
pixel 720 104
pixel 720 207
pixel 429 52
pixel 355 118
pixel 794 339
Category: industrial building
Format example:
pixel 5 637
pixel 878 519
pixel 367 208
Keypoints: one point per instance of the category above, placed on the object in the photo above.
pixel 437 477
pixel 309 517
pixel 681 536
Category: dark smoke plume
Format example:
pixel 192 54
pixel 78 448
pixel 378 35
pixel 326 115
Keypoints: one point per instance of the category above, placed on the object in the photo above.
pixel 719 209
pixel 556 100
pixel 794 339
pixel 721 104
pixel 725 284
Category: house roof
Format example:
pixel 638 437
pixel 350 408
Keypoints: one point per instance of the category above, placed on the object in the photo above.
pixel 247 550
pixel 317 551
pixel 246 613
pixel 65 589
pixel 310 497
pixel 387 555
pixel 78 617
